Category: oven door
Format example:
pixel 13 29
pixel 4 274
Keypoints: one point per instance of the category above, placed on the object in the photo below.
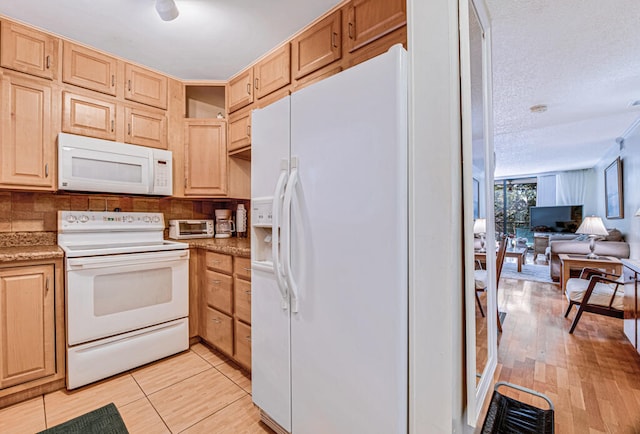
pixel 109 295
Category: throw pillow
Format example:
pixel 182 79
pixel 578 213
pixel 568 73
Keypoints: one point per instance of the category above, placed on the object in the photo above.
pixel 614 235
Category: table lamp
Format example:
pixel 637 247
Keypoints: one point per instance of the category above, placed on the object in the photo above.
pixel 480 227
pixel 593 227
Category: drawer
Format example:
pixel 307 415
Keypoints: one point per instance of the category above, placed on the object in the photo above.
pixel 243 344
pixel 242 300
pixel 220 262
pixel 218 330
pixel 219 291
pixel 242 267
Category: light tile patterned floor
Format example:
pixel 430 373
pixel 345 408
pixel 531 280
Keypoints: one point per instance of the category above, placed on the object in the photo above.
pixel 198 391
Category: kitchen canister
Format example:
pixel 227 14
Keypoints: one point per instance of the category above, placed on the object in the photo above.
pixel 241 221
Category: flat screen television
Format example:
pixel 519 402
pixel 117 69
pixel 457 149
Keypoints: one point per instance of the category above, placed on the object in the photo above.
pixel 564 218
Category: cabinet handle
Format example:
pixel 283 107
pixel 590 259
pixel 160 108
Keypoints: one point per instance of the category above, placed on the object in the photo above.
pixel 48 61
pixel 129 85
pixel 248 338
pixel 216 320
pixel 46 173
pixel 334 39
pixel 350 30
pixel 249 88
pixel 216 261
pixel 113 125
pixel 216 282
pixel 248 292
pixel 46 284
pixel 246 268
pixel 113 80
pixel 129 129
pixel 248 130
pixel 256 81
pixel 185 182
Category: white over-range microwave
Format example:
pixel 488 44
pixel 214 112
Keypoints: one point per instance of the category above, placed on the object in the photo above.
pixel 88 164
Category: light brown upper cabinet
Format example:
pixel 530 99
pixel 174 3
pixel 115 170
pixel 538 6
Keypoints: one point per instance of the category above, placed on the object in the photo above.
pixel 368 20
pixel 88 68
pixel 273 72
pixel 146 128
pixel 27 324
pixel 317 46
pixel 27 152
pixel 239 130
pixel 240 91
pixel 205 155
pixel 145 86
pixel 27 50
pixel 88 116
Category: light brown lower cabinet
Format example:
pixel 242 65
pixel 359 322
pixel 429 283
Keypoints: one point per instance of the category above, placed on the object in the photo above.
pixel 31 329
pixel 218 330
pixel 225 298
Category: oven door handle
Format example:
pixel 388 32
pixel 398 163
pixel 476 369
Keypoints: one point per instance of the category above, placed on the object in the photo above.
pixel 125 260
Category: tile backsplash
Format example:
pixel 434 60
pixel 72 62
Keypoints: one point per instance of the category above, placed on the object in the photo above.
pixel 38 212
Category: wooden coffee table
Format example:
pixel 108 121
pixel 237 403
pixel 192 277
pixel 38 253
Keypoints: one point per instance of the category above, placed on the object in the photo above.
pixel 512 252
pixel 578 262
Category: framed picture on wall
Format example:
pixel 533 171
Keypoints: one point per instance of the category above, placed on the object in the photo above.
pixel 476 198
pixel 613 190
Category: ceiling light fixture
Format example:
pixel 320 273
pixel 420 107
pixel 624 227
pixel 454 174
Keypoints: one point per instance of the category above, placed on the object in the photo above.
pixel 167 9
pixel 538 108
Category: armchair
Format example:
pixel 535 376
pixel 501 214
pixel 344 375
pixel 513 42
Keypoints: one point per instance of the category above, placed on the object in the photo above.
pixel 596 292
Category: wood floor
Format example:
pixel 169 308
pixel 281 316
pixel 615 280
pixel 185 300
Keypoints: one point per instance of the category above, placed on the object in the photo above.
pixel 197 391
pixel 592 376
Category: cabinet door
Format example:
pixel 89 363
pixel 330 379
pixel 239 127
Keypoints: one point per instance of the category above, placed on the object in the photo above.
pixel 242 300
pixel 239 130
pixel 318 46
pixel 273 72
pixel 27 149
pixel 239 92
pixel 27 50
pixel 243 344
pixel 27 324
pixel 242 267
pixel 146 128
pixel 87 68
pixel 218 330
pixel 205 157
pixel 144 86
pixel 88 116
pixel 368 20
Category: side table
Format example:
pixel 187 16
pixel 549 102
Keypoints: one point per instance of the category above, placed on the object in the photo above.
pixel 573 262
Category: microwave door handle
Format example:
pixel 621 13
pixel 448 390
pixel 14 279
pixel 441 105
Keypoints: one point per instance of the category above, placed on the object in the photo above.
pixel 152 169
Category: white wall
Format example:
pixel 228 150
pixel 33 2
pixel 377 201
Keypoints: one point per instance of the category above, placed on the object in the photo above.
pixel 630 155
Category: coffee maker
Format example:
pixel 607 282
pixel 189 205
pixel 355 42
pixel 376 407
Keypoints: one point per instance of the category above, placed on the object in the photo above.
pixel 224 225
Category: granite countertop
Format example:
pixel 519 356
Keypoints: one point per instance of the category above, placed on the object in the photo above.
pixel 230 246
pixel 30 253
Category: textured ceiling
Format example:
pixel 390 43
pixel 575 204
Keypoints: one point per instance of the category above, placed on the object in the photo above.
pixel 579 57
pixel 210 39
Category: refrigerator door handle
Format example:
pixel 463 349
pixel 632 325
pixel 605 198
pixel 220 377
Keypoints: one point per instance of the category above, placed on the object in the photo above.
pixel 275 235
pixel 286 220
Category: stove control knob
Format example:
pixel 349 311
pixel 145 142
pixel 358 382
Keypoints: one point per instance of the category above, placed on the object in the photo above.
pixel 128 219
pixel 146 219
pixel 84 218
pixel 156 219
pixel 71 218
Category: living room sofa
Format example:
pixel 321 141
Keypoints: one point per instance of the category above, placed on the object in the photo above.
pixel 612 245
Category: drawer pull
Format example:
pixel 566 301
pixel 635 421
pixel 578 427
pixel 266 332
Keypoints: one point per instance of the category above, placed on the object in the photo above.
pixel 246 268
pixel 215 261
pixel 216 282
pixel 248 338
pixel 216 320
pixel 248 292
pixel 48 62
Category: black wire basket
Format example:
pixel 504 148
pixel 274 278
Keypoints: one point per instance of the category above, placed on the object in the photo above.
pixel 508 415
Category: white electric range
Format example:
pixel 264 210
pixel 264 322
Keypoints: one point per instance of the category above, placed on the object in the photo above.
pixel 126 292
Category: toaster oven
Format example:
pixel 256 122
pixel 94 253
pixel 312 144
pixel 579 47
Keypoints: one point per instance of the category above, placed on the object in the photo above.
pixel 185 229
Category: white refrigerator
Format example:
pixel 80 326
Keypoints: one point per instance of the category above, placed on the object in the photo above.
pixel 330 253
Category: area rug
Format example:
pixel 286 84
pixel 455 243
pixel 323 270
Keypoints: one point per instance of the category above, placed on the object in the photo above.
pixel 533 272
pixel 105 420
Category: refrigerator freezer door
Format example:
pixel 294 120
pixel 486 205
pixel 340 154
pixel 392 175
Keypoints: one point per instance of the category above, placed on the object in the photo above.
pixel 271 382
pixel 349 254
